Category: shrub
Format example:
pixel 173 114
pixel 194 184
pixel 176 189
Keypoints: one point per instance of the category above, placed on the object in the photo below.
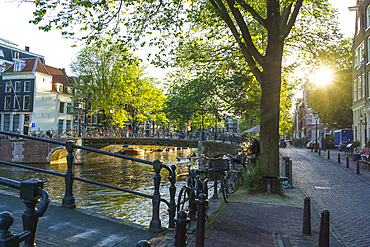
pixel 251 179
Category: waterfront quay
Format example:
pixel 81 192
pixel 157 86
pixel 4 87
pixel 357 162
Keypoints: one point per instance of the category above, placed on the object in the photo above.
pixel 247 220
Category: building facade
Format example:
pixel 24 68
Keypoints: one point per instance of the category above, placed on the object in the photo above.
pixel 360 71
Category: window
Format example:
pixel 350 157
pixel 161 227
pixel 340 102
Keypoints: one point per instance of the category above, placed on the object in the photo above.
pixel 6 122
pixel 27 86
pixel 17 86
pixel 68 126
pixel 359 55
pixel 8 86
pixel 26 102
pixel 17 100
pixel 60 88
pixel 83 118
pixel 19 66
pixel 16 122
pixel 76 119
pixel 359 87
pixel 16 55
pixel 354 90
pixel 60 126
pixel 2 53
pixel 61 107
pixel 7 103
pixel 94 119
pixel 363 84
pixel 26 119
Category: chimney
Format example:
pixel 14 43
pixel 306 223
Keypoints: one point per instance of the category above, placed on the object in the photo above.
pixel 27 49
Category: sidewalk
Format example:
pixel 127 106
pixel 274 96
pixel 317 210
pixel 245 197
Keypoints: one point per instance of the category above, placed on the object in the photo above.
pixel 254 220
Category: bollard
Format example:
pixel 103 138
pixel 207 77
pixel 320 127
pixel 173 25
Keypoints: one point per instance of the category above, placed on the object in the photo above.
pixel 201 220
pixel 347 162
pixel 155 223
pixel 324 229
pixel 312 150
pixel 172 209
pixel 143 243
pixel 287 170
pixel 182 222
pixel 358 167
pixel 319 152
pixel 328 155
pixel 307 216
pixel 338 158
pixel 69 200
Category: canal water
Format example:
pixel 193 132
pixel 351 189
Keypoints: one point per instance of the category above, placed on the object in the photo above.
pixel 117 172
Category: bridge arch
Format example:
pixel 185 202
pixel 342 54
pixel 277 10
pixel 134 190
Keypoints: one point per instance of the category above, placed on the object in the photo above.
pixel 53 150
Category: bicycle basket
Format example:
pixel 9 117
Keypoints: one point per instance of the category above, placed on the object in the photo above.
pixel 220 165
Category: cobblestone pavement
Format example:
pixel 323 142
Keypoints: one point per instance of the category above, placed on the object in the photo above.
pixel 333 187
pixel 252 224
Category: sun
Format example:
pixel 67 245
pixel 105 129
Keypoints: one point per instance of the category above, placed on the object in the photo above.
pixel 322 77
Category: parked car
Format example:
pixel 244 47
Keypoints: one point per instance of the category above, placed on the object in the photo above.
pixel 282 144
pixel 311 144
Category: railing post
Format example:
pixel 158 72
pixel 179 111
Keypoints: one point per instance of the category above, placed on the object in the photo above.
pixel 339 158
pixel 7 237
pixel 30 218
pixel 201 220
pixel 155 223
pixel 324 229
pixel 307 216
pixel 69 200
pixel 182 222
pixel 172 209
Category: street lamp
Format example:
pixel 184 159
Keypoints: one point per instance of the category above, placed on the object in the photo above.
pixel 364 123
pixel 80 106
pixel 316 116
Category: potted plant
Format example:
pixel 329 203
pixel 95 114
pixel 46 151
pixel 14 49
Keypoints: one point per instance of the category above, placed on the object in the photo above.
pixel 356 156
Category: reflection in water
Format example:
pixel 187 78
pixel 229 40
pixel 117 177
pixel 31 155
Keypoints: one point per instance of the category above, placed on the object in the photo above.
pixel 117 172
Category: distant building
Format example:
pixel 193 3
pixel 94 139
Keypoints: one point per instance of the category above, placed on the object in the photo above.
pixel 231 125
pixel 35 97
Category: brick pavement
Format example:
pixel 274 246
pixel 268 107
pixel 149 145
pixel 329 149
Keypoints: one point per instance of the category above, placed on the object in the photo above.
pixel 338 189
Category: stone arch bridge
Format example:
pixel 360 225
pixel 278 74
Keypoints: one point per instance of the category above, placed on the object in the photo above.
pixel 30 151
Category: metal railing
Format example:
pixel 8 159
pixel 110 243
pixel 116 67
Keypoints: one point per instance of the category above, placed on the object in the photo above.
pixel 30 191
pixel 69 200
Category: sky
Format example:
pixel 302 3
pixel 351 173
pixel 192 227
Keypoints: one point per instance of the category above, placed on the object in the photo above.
pixel 58 51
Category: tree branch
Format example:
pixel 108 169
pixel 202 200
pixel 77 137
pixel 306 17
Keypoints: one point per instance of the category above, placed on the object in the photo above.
pixel 245 32
pixel 220 7
pixel 254 14
pixel 285 16
pixel 293 18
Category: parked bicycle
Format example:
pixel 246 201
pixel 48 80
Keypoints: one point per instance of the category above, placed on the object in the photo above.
pixel 197 180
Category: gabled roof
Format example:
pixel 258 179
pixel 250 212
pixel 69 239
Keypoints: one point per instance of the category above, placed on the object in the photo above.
pixel 35 65
pixel 32 65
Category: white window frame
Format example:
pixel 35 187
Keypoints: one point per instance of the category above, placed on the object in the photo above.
pixel 25 83
pixel 60 88
pixel 367 16
pixel 8 86
pixel 363 84
pixel 18 85
pixel 359 84
pixel 5 103
pixel 24 102
pixel 17 98
pixel 355 90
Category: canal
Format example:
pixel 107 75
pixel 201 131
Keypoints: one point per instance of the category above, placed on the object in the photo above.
pixel 117 172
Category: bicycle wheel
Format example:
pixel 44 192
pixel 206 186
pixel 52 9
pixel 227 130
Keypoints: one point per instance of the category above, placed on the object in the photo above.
pixel 183 201
pixel 224 187
pixel 232 181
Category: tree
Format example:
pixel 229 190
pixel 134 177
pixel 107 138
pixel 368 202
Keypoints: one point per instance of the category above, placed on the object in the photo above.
pixel 333 101
pixel 113 78
pixel 260 28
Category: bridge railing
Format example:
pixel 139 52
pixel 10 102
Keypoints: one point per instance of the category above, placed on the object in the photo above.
pixel 31 191
pixel 69 200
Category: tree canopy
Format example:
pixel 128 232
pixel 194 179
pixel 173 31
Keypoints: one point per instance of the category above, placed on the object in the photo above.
pixel 259 28
pixel 112 78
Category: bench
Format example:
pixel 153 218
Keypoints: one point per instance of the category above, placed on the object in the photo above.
pixel 269 181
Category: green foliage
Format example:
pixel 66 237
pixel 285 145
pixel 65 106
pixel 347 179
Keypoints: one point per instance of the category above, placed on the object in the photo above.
pixel 251 181
pixel 110 77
